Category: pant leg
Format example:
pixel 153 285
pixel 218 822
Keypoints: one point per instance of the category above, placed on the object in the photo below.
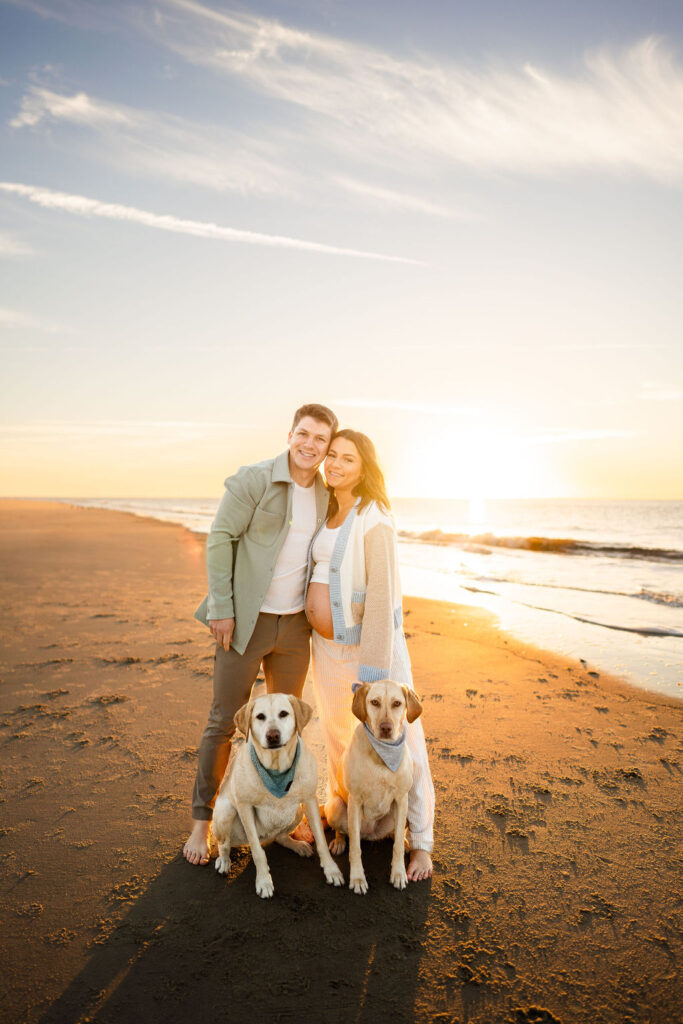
pixel 233 677
pixel 286 666
pixel 335 668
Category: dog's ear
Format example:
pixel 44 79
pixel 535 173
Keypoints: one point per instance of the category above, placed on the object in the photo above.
pixel 413 706
pixel 242 717
pixel 358 707
pixel 303 712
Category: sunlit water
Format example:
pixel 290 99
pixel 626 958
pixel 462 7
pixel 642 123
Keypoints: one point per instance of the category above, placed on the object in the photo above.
pixel 598 580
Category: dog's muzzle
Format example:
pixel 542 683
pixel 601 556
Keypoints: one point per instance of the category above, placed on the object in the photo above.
pixel 385 730
pixel 273 738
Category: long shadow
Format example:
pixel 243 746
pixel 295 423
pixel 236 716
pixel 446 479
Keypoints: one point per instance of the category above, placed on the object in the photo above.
pixel 195 943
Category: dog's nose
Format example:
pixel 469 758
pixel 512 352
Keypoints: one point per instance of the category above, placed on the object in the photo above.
pixel 273 737
pixel 385 729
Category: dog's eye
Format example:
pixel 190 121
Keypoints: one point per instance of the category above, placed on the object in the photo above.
pixel 396 703
pixel 375 703
pixel 261 717
pixel 283 714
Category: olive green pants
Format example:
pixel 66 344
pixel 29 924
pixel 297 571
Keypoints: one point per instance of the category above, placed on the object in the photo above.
pixel 282 644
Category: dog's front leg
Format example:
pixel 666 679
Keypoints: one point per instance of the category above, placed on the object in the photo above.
pixel 223 818
pixel 333 875
pixel 264 883
pixel 398 877
pixel 357 880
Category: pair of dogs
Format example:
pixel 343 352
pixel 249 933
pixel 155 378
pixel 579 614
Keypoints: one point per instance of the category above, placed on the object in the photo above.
pixel 274 779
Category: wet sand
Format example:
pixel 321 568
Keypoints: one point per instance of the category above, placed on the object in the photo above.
pixel 557 891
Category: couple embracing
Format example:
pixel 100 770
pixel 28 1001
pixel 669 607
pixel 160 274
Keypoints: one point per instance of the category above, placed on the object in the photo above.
pixel 275 518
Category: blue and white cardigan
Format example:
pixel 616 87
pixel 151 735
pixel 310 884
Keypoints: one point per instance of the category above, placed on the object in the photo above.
pixel 365 588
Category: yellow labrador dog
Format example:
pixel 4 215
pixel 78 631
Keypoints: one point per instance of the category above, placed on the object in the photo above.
pixel 374 779
pixel 273 774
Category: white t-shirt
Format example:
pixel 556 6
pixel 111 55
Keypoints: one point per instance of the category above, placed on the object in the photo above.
pixel 285 595
pixel 322 552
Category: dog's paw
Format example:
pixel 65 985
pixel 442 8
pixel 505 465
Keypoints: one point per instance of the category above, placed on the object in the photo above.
pixel 399 878
pixel 359 885
pixel 333 876
pixel 265 887
pixel 301 847
pixel 222 865
pixel 337 845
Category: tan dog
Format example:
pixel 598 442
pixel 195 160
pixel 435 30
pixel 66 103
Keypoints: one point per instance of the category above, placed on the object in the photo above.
pixel 371 800
pixel 247 811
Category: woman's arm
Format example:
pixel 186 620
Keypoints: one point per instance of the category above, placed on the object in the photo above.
pixel 377 634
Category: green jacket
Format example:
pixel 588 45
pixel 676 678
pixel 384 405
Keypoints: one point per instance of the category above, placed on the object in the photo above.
pixel 250 527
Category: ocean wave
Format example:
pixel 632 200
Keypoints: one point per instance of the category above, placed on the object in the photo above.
pixel 645 631
pixel 669 600
pixel 551 545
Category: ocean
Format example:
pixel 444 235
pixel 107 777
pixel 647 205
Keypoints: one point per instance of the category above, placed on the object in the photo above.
pixel 597 580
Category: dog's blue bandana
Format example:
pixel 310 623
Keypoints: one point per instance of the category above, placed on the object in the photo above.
pixel 277 783
pixel 391 751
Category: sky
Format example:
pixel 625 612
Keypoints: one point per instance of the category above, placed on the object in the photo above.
pixel 457 224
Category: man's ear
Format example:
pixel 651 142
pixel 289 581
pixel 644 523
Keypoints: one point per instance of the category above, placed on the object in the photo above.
pixel 303 712
pixel 358 707
pixel 413 706
pixel 242 717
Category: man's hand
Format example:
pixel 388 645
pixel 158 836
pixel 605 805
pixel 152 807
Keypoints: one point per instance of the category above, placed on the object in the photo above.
pixel 222 629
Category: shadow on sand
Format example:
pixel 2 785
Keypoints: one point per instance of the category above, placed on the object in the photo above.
pixel 195 943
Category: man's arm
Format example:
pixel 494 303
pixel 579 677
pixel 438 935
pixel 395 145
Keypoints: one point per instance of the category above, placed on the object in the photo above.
pixel 242 494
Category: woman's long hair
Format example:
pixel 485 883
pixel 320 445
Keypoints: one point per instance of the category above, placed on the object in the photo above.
pixel 372 486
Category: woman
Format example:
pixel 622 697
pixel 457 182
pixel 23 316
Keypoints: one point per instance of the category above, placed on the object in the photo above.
pixel 353 602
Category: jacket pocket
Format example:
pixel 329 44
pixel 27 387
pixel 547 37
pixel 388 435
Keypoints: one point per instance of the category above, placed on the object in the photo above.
pixel 264 527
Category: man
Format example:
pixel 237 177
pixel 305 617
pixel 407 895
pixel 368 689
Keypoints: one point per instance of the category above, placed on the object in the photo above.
pixel 257 556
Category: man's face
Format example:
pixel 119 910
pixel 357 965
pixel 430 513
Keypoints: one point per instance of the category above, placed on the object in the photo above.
pixel 308 443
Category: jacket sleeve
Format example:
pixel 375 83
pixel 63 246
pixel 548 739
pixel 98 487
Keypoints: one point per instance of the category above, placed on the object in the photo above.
pixel 243 491
pixel 377 634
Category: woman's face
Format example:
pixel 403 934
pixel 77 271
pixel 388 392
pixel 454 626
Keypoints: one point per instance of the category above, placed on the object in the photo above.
pixel 343 465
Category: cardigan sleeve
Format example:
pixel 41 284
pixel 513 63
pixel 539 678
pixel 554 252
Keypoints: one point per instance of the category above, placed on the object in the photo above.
pixel 377 635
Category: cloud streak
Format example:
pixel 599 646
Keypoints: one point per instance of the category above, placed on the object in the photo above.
pixel 619 113
pixel 85 207
pixel 16 319
pixel 161 144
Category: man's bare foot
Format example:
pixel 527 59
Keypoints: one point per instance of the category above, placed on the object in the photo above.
pixel 420 866
pixel 302 832
pixel 196 849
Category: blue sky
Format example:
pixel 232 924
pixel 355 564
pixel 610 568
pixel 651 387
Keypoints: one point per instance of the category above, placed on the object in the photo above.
pixel 459 224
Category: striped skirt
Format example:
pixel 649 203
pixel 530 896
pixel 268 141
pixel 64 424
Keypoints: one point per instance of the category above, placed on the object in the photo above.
pixel 335 669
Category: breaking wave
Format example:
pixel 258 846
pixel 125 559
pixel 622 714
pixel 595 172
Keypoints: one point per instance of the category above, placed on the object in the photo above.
pixel 552 545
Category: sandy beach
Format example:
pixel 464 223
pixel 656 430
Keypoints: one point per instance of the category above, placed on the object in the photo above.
pixel 557 890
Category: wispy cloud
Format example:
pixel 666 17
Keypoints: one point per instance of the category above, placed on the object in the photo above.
pixel 161 144
pixel 428 408
pixel 621 112
pixel 391 200
pixel 16 319
pixel 85 207
pixel 572 435
pixel 11 246
pixel 656 392
pixel 132 432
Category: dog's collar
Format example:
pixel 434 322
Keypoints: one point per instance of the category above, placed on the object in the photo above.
pixel 391 751
pixel 277 783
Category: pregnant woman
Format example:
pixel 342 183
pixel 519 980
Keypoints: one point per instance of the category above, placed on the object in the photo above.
pixel 354 604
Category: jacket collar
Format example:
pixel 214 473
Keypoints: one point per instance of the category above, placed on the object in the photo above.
pixel 281 473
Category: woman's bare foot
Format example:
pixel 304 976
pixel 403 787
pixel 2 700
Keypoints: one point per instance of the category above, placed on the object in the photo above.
pixel 196 849
pixel 420 866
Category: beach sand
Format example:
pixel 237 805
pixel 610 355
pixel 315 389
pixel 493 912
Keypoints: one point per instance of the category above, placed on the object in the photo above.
pixel 557 888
